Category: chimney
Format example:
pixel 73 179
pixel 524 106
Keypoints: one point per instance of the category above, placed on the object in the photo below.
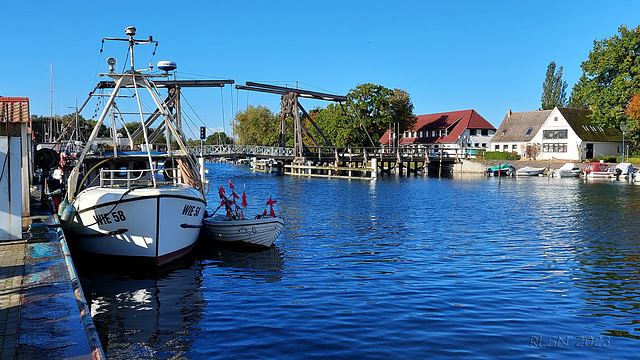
pixel 509 113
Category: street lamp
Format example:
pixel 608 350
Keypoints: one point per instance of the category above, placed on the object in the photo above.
pixel 624 127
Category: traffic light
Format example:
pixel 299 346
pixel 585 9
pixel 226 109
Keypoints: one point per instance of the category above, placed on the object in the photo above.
pixel 203 133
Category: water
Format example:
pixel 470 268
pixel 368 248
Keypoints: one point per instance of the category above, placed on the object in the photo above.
pixel 399 268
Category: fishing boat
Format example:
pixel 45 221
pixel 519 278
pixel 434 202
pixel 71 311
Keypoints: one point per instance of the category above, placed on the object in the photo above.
pixel 530 171
pixel 259 232
pixel 235 229
pixel 599 170
pixel 119 203
pixel 567 170
pixel 501 170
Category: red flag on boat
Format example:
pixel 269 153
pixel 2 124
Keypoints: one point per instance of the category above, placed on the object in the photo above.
pixel 271 202
pixel 244 199
pixel 221 192
pixel 231 185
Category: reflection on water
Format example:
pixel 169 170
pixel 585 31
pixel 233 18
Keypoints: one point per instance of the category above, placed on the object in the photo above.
pixel 397 268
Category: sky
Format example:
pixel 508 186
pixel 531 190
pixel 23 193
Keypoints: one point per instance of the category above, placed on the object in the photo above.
pixel 490 56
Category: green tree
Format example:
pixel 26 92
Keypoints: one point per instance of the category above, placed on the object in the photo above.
pixel 218 137
pixel 257 126
pixel 369 112
pixel 610 77
pixel 554 89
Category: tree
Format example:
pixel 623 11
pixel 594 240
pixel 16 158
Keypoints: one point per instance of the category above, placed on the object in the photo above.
pixel 633 108
pixel 610 77
pixel 554 89
pixel 217 138
pixel 370 110
pixel 257 126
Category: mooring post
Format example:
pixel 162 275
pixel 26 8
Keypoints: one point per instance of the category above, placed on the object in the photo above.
pixel 374 165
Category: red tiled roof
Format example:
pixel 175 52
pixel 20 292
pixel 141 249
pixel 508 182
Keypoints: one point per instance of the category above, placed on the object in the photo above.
pixel 463 119
pixel 14 109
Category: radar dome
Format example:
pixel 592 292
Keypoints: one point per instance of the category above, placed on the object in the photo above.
pixel 167 65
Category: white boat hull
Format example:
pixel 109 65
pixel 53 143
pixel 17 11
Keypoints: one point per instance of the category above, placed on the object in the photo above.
pixel 260 233
pixel 150 224
pixel 530 171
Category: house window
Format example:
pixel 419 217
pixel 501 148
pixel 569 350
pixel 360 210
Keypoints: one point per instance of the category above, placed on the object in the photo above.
pixel 485 132
pixel 514 147
pixel 476 145
pixel 484 145
pixel 497 147
pixel 504 131
pixel 554 148
pixel 554 134
pixel 472 132
pixel 529 131
pixel 505 147
pixel 555 118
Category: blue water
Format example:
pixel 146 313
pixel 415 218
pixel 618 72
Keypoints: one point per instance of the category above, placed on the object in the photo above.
pixel 398 268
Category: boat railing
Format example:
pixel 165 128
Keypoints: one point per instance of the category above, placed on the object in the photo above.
pixel 127 178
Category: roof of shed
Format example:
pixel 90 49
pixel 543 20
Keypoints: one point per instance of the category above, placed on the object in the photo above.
pixel 14 109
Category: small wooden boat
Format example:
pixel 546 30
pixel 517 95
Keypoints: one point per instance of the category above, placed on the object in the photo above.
pixel 260 232
pixel 530 171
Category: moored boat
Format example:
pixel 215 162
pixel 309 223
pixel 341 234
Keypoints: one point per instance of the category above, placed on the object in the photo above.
pixel 260 232
pixel 501 170
pixel 233 228
pixel 530 171
pixel 599 170
pixel 567 170
pixel 120 204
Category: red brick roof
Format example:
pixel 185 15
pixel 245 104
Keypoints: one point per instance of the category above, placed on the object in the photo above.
pixel 461 120
pixel 14 109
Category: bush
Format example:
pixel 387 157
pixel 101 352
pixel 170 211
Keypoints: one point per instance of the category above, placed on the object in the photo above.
pixel 500 155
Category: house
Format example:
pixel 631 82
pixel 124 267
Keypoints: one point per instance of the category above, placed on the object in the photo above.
pixel 561 134
pixel 454 133
pixel 517 130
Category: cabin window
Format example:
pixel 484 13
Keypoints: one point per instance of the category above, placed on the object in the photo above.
pixel 554 134
pixel 555 148
pixel 529 131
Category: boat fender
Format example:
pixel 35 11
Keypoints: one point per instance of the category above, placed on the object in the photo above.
pixel 63 205
pixel 68 213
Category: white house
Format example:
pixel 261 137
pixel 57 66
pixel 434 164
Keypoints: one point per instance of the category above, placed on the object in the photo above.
pixel 561 134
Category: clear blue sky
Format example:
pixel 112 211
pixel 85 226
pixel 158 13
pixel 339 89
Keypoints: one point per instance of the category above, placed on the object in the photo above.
pixel 490 56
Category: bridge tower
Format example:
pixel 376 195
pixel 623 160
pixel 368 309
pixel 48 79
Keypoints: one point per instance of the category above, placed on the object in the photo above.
pixel 290 106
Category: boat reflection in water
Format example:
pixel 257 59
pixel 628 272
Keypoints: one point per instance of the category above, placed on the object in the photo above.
pixel 156 314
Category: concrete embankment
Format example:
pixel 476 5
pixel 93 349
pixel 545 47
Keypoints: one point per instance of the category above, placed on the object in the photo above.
pixel 42 307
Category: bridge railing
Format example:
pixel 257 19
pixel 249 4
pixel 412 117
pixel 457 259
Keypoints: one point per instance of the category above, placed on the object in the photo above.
pixel 327 152
pixel 249 150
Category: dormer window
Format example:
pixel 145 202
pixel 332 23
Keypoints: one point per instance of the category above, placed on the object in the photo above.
pixel 504 131
pixel 529 131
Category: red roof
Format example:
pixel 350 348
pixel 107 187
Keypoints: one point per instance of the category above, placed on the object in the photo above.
pixel 456 121
pixel 14 109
